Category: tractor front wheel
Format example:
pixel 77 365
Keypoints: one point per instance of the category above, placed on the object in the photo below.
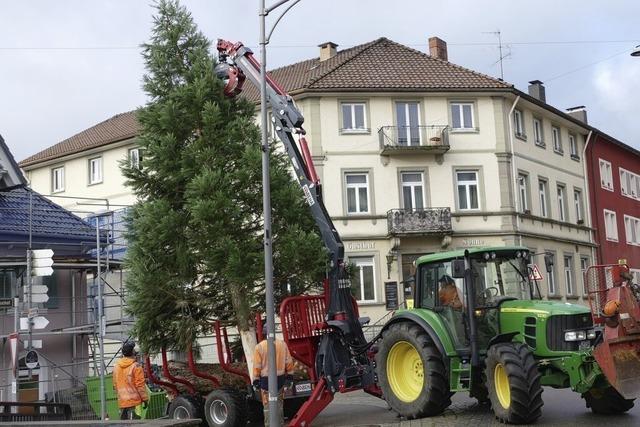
pixel 607 401
pixel 513 381
pixel 411 372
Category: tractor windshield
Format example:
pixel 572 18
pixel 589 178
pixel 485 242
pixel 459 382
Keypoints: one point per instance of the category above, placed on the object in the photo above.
pixel 500 277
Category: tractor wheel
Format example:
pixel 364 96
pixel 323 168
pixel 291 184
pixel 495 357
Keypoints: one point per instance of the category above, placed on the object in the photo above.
pixel 411 372
pixel 185 407
pixel 607 401
pixel 513 381
pixel 225 408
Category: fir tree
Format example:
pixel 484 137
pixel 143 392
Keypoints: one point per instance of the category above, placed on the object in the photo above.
pixel 195 241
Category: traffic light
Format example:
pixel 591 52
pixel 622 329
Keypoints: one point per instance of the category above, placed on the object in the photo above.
pixel 41 262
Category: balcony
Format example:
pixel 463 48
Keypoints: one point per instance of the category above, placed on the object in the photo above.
pixel 413 139
pixel 419 221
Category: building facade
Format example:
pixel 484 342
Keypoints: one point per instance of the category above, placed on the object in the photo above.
pixel 416 155
pixel 613 169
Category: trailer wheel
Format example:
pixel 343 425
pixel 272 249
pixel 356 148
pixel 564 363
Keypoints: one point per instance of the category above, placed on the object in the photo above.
pixel 513 381
pixel 411 372
pixel 185 407
pixel 225 408
pixel 607 401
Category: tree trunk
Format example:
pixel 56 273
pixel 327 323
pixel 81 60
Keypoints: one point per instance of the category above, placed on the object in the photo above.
pixel 249 345
pixel 245 329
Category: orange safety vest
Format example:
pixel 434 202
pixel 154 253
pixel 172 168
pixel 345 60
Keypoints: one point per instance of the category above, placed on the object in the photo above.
pixel 284 362
pixel 128 381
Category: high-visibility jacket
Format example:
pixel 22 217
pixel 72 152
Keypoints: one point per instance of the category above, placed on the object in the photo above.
pixel 284 362
pixel 128 380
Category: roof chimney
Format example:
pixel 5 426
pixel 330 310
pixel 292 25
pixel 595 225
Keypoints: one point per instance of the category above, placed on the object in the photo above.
pixel 438 48
pixel 327 50
pixel 579 113
pixel 536 89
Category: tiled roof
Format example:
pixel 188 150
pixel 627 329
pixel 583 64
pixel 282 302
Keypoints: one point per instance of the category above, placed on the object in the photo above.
pixel 117 128
pixel 380 65
pixel 49 222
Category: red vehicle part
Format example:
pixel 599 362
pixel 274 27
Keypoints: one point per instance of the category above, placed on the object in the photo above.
pixel 614 305
pixel 167 374
pixel 224 354
pixel 192 367
pixel 170 388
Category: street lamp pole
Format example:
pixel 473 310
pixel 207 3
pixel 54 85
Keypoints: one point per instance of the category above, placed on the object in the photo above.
pixel 274 418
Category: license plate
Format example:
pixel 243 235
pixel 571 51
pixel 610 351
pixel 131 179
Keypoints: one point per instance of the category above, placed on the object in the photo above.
pixel 303 387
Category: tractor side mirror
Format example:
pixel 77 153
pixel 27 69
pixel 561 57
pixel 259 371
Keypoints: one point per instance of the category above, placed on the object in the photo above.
pixel 457 268
pixel 548 262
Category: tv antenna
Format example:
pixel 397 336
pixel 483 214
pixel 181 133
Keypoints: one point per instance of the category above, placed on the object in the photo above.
pixel 503 55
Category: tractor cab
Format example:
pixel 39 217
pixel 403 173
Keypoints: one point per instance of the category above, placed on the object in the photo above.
pixel 496 275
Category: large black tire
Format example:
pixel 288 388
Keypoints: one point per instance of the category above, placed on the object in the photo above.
pixel 225 407
pixel 513 381
pixel 420 388
pixel 607 401
pixel 185 407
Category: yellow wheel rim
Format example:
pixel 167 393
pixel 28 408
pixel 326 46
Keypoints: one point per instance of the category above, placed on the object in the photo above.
pixel 502 386
pixel 405 371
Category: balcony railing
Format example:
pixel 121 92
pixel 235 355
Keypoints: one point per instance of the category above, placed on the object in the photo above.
pixel 412 139
pixel 419 221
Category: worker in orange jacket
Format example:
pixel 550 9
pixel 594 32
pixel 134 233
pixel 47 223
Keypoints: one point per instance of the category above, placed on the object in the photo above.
pixel 284 366
pixel 128 381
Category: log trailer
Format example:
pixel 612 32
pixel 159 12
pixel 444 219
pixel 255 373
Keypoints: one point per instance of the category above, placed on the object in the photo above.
pixel 501 344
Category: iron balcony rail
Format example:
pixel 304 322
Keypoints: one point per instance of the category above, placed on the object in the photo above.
pixel 419 221
pixel 433 138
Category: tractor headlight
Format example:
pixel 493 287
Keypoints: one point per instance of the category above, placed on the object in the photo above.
pixel 575 336
pixel 591 334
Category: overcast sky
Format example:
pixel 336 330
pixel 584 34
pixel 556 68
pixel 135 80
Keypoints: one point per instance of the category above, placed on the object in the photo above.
pixel 66 65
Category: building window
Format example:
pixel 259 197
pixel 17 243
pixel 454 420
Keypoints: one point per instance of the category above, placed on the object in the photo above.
pixel 364 281
pixel 636 275
pixel 354 117
pixel 467 183
pixel 408 119
pixel 537 132
pixel 518 124
pixel 610 225
pixel 568 274
pixel 57 179
pixel 542 192
pixel 584 265
pixel 523 190
pixel 357 193
pixel 573 147
pixel 412 190
pixel 629 184
pixel 551 279
pixel 135 158
pixel 606 176
pixel 577 203
pixel 557 142
pixel 632 230
pixel 562 203
pixel 462 116
pixel 95 170
pixel 7 283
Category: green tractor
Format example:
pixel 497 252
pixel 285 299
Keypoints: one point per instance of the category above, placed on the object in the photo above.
pixel 479 325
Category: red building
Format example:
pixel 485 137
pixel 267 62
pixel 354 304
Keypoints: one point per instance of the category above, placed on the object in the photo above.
pixel 613 170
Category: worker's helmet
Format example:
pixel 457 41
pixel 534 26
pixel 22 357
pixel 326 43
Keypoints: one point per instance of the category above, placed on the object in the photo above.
pixel 447 280
pixel 128 348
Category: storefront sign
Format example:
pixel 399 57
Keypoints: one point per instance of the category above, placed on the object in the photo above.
pixel 360 246
pixel 391 295
pixel 472 242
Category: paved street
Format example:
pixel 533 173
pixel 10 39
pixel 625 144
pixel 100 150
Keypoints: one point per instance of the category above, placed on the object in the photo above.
pixel 561 408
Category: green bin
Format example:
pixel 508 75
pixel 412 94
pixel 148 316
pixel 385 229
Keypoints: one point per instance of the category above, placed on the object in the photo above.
pixel 157 400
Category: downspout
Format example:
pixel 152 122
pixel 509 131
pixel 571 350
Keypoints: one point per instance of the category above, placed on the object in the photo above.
pixel 587 191
pixel 513 170
pixel 74 344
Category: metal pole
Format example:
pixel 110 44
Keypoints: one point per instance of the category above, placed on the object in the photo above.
pixel 274 419
pixel 100 321
pixel 29 277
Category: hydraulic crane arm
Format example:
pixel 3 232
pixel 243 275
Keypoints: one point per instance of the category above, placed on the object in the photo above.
pixel 237 63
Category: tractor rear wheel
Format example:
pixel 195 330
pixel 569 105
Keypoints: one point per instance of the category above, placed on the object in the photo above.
pixel 225 407
pixel 607 401
pixel 411 372
pixel 513 381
